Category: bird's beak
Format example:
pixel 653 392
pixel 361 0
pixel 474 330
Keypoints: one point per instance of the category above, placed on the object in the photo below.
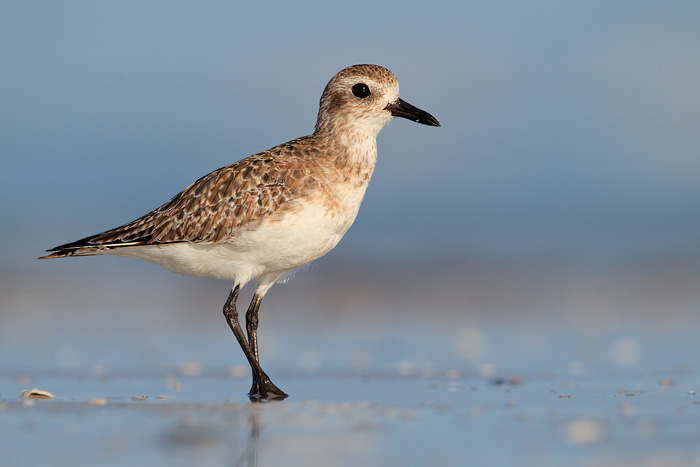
pixel 401 108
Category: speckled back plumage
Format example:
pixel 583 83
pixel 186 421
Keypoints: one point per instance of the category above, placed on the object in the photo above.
pixel 214 207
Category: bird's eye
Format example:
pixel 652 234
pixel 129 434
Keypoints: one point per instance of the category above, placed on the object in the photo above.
pixel 361 90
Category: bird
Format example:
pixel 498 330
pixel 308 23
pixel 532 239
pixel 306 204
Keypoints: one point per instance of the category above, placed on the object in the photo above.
pixel 264 216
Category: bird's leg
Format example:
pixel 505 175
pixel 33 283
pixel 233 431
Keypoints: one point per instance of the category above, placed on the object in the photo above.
pixel 262 386
pixel 266 389
pixel 251 320
pixel 251 324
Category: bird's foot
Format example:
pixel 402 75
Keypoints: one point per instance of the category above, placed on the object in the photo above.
pixel 264 389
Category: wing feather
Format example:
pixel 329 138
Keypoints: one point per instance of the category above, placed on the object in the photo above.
pixel 213 208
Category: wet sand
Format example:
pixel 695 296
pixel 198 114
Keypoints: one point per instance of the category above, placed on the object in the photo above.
pixel 354 420
pixel 519 369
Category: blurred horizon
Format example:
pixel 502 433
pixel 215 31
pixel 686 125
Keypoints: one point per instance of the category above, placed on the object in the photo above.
pixel 569 132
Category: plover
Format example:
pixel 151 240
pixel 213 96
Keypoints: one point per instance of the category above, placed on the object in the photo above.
pixel 268 214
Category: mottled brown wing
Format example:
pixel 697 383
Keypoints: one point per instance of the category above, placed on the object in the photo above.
pixel 209 210
pixel 212 208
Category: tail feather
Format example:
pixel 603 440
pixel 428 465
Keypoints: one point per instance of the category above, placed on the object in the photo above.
pixel 81 247
pixel 87 246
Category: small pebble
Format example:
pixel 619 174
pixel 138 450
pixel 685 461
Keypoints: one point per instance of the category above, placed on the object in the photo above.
pixel 97 401
pixel 515 380
pixel 37 394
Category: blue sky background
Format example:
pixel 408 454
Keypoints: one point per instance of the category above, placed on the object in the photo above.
pixel 569 129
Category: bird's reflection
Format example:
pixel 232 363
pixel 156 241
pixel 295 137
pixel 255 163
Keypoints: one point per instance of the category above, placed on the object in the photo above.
pixel 249 456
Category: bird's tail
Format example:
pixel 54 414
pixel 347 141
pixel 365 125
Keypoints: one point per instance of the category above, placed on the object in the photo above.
pixel 82 247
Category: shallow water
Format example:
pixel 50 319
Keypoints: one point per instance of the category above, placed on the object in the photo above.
pixel 553 370
pixel 355 420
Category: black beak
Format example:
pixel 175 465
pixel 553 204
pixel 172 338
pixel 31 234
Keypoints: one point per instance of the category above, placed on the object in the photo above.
pixel 401 108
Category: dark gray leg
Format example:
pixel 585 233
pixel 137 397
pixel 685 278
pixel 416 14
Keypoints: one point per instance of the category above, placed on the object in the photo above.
pixel 251 324
pixel 265 389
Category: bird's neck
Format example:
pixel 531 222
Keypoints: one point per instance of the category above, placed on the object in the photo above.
pixel 353 153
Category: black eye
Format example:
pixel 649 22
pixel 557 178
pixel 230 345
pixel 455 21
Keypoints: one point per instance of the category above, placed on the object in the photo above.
pixel 361 90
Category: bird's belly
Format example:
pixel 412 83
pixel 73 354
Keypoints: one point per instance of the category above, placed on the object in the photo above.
pixel 294 239
pixel 279 243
